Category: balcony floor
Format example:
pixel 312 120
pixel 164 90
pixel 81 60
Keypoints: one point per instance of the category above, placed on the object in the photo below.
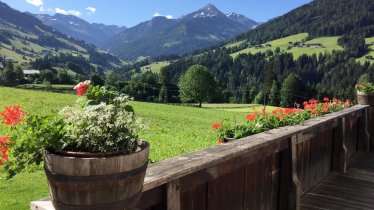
pixel 352 190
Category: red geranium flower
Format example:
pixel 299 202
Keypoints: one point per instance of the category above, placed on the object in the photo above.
pixel 315 111
pixel 217 125
pixel 12 115
pixel 82 88
pixel 219 141
pixel 326 99
pixel 3 149
pixel 305 103
pixel 251 117
pixel 4 140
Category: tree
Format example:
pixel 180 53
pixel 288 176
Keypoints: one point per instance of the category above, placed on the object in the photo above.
pixel 364 78
pixel 289 87
pixel 97 80
pixel 274 94
pixel 164 81
pixel 197 84
pixel 64 78
pixel 111 80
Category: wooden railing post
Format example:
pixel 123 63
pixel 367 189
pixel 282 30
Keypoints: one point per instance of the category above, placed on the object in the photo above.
pixel 173 195
pixel 296 187
pixel 340 149
pixel 364 135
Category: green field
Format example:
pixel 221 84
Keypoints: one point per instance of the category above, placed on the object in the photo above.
pixel 363 59
pixel 235 44
pixel 328 45
pixel 244 108
pixel 155 66
pixel 281 43
pixel 173 130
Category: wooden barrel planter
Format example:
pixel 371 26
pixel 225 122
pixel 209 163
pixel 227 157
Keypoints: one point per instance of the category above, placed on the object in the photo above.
pixel 365 98
pixel 89 181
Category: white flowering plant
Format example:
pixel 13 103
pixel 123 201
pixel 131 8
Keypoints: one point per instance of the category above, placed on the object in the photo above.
pixel 102 123
pixel 101 128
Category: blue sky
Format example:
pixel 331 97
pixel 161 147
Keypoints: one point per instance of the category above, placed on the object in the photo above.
pixel 132 12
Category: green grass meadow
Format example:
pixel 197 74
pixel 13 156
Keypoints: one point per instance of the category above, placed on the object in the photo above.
pixel 155 66
pixel 329 44
pixel 172 131
pixel 363 59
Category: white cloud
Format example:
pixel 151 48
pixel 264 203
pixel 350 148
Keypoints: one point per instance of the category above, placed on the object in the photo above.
pixel 91 10
pixel 167 16
pixel 36 3
pixel 67 12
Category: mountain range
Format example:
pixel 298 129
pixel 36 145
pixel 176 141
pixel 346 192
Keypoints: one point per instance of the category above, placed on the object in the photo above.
pixel 162 36
pixel 158 36
pixel 24 38
pixel 78 28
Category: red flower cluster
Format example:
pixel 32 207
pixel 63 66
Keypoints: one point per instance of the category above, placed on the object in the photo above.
pixel 282 113
pixel 251 117
pixel 82 88
pixel 3 149
pixel 217 125
pixel 12 115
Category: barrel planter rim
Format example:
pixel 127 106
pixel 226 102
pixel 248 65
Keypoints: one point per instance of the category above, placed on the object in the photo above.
pixel 360 93
pixel 144 145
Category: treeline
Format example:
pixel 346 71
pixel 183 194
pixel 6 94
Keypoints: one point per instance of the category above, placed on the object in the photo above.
pixel 259 77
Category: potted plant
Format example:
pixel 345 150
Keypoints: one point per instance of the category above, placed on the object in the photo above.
pixel 365 94
pixel 93 157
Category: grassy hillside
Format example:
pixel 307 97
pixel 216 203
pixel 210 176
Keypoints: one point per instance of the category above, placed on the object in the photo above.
pixel 328 44
pixel 173 130
pixel 363 59
pixel 155 66
pixel 24 50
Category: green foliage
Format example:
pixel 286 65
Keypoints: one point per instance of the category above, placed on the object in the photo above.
pixel 288 92
pixel 101 128
pixel 164 78
pixel 259 99
pixel 30 138
pixel 112 80
pixel 197 84
pixel 260 122
pixel 366 87
pixel 274 96
pixel 363 79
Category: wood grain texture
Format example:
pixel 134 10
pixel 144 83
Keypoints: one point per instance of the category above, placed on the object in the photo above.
pixel 257 172
pixel 351 190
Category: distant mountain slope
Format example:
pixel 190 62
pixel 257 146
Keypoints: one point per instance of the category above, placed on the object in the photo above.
pixel 80 29
pixel 318 18
pixel 162 36
pixel 24 38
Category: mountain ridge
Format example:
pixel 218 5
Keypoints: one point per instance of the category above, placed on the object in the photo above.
pixel 202 28
pixel 95 33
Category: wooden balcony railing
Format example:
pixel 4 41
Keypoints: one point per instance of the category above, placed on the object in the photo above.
pixel 270 170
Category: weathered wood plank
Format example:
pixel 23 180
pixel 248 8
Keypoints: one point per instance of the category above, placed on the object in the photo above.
pixel 296 187
pixel 175 168
pixel 224 194
pixel 194 198
pixel 351 190
pixel 173 195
